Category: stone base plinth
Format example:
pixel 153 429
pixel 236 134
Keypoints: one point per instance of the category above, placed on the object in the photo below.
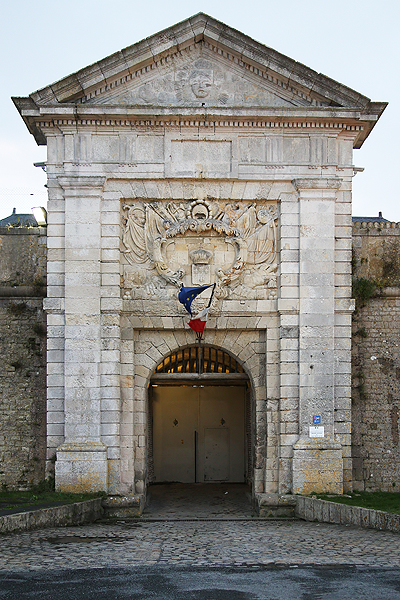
pixel 317 466
pixel 124 506
pixel 275 505
pixel 81 467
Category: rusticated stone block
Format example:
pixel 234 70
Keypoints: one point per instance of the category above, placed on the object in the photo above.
pixel 82 467
pixel 317 466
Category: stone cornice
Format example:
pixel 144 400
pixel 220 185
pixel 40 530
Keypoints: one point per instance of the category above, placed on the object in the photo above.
pixel 332 183
pixel 50 126
pixel 112 111
pixel 237 320
pixel 91 184
pixel 51 120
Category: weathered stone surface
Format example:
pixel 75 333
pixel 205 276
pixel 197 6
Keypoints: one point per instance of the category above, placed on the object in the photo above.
pixel 392 522
pixel 376 357
pixel 365 517
pixel 334 512
pixel 23 257
pixel 124 506
pixel 275 505
pixel 82 467
pixel 23 357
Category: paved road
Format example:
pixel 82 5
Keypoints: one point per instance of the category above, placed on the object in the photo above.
pixel 225 583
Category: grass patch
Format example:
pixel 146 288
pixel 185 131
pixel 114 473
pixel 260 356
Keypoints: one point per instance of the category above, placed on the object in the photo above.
pixel 15 499
pixel 386 501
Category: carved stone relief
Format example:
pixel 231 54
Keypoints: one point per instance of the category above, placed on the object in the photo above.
pixel 169 244
pixel 197 79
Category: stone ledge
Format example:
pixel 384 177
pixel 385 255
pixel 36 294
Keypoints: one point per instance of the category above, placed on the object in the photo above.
pixel 57 516
pixel 22 230
pixel 323 511
pixel 22 291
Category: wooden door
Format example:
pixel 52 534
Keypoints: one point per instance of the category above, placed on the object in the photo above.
pixel 199 433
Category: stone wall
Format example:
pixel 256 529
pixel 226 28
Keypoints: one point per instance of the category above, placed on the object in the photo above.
pixel 22 256
pixel 23 357
pixel 376 357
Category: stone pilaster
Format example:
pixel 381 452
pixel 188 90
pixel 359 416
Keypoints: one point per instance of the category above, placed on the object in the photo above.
pixel 288 309
pixel 82 459
pixel 317 461
pixel 111 359
pixel 54 306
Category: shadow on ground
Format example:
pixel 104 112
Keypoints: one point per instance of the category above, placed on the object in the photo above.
pixel 199 500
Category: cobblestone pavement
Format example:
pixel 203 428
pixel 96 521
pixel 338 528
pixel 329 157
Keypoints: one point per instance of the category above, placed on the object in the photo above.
pixel 229 536
pixel 202 543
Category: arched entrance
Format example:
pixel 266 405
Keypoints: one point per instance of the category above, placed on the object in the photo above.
pixel 200 418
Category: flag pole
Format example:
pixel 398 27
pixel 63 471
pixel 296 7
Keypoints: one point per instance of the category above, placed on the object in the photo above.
pixel 199 334
pixel 211 297
pixel 199 338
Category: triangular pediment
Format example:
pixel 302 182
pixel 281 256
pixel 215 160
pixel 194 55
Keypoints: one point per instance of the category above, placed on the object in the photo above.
pixel 196 64
pixel 162 70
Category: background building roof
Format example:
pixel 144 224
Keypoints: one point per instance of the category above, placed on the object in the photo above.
pixel 19 220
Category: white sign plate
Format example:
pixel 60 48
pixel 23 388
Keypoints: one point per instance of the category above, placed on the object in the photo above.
pixel 316 431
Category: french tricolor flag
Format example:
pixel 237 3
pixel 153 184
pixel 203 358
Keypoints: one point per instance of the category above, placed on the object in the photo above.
pixel 198 323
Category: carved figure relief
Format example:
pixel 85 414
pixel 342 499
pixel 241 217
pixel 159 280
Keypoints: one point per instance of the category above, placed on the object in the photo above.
pixel 169 244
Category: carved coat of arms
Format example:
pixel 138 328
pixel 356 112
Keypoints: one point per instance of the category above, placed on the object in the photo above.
pixel 167 244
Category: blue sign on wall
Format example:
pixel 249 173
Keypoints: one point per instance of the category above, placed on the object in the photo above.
pixel 316 419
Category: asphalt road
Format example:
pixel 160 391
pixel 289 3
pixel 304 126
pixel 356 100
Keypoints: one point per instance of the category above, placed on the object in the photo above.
pixel 272 582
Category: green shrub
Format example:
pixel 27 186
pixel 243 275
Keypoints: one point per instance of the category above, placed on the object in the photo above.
pixel 364 290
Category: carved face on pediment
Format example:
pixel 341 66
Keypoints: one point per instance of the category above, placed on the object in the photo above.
pixel 198 76
pixel 201 78
pixel 198 242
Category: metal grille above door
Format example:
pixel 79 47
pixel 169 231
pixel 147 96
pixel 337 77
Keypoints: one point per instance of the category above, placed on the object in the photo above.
pixel 212 360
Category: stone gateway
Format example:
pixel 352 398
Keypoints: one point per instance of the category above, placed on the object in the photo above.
pixel 194 157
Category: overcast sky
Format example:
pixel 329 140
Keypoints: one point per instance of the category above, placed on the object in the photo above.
pixel 356 42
